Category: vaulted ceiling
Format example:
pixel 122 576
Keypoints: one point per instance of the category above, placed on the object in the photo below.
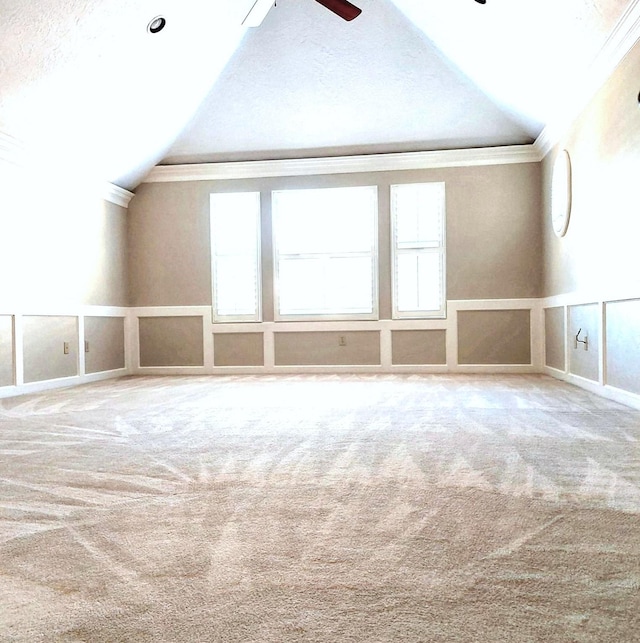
pixel 85 87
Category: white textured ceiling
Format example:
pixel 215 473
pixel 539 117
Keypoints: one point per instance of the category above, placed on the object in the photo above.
pixel 84 85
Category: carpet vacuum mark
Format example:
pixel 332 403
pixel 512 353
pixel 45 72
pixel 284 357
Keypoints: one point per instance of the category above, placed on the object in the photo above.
pixel 319 509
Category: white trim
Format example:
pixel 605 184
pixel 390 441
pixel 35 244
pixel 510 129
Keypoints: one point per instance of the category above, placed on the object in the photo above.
pixel 622 38
pixel 606 391
pixel 384 327
pixel 368 204
pixel 601 387
pixel 345 164
pixel 81 358
pixel 538 347
pixel 63 382
pixel 18 351
pixel 594 296
pixel 79 312
pixel 117 195
pixel 419 249
pixel 493 304
pixel 175 311
pixel 225 211
pixel 62 310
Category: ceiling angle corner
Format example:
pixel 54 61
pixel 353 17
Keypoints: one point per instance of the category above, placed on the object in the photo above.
pixel 257 13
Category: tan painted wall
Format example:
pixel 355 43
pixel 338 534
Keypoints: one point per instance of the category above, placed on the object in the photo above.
pixel 105 337
pixel 601 247
pixel 494 337
pixel 325 348
pixel 494 246
pixel 6 350
pixel 44 338
pixel 418 347
pixel 238 349
pixel 599 253
pixel 59 245
pixel 623 345
pixel 171 341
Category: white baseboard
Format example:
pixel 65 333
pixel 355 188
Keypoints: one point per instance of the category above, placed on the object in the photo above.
pixel 609 392
pixel 63 382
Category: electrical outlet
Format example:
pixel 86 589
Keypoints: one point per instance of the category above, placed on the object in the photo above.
pixel 342 341
pixel 86 346
pixel 65 348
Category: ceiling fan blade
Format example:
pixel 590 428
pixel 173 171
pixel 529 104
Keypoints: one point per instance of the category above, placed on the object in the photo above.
pixel 342 8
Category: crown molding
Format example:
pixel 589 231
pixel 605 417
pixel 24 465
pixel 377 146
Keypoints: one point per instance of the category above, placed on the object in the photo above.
pixel 345 164
pixel 117 195
pixel 622 38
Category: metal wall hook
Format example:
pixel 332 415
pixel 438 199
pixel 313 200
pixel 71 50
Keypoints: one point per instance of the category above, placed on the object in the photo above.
pixel 584 341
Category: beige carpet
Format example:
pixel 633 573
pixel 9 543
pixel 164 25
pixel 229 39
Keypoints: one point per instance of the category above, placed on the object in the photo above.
pixel 332 509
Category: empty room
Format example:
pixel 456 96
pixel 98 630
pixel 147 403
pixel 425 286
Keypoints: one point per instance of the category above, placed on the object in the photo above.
pixel 319 321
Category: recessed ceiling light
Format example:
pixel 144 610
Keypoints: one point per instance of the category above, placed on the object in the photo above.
pixel 157 24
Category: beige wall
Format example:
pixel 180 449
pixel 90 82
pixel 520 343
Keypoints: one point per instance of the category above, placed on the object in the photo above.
pixel 59 246
pixel 171 341
pixel 623 345
pixel 418 347
pixel 44 339
pixel 494 246
pixel 494 337
pixel 600 249
pixel 598 257
pixel 238 349
pixel 328 348
pixel 104 337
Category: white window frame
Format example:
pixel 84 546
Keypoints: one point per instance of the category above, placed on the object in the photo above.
pixel 257 315
pixel 373 253
pixel 417 249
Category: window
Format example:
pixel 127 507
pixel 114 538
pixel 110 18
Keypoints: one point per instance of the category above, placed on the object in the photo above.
pixel 325 247
pixel 418 250
pixel 235 256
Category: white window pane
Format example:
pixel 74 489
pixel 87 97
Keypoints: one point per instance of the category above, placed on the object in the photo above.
pixel 407 282
pixel 418 220
pixel 350 285
pixel 429 281
pixel 233 222
pixel 418 214
pixel 236 286
pixel 301 285
pixel 324 221
pixel 418 282
pixel 325 244
pixel 235 246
